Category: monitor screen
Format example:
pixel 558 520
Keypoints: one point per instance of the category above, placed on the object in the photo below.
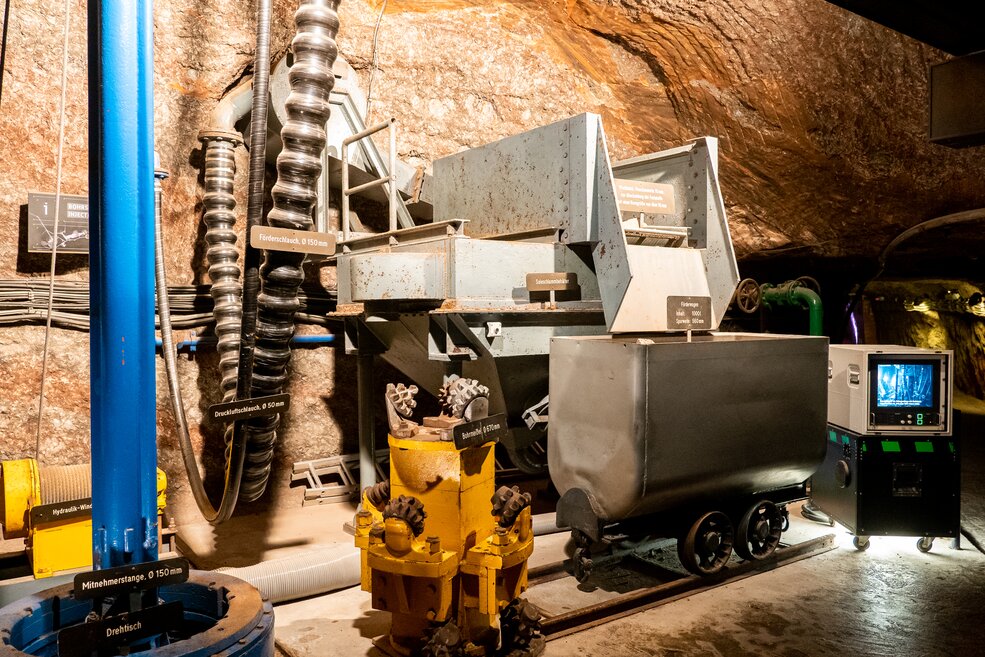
pixel 905 385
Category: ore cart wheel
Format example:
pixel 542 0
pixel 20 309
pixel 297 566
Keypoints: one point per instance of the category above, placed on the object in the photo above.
pixel 758 534
pixel 707 546
pixel 925 544
pixel 582 558
pixel 861 543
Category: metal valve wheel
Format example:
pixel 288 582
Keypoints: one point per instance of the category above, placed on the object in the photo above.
pixel 748 296
pixel 758 534
pixel 707 546
pixel 809 282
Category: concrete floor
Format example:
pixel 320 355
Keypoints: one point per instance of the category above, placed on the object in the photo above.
pixel 890 600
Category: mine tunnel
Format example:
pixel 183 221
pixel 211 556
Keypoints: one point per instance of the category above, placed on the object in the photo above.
pixel 502 327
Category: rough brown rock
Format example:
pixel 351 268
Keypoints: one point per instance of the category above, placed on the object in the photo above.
pixel 821 117
pixel 934 328
pixel 821 114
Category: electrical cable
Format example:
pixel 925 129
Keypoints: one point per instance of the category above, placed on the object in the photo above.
pixel 54 238
pixel 3 44
pixel 924 226
pixel 24 301
pixel 811 512
pixel 971 539
pixel 170 361
pixel 236 443
pixel 372 70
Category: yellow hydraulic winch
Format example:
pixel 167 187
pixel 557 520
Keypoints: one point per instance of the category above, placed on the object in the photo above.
pixel 51 508
pixel 443 550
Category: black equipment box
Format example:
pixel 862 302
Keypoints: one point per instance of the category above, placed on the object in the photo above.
pixel 891 485
pixel 957 87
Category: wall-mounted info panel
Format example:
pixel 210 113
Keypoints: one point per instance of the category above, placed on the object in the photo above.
pixel 73 223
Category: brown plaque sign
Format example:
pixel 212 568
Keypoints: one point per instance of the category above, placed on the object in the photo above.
pixel 689 313
pixel 296 241
pixel 552 281
pixel 647 197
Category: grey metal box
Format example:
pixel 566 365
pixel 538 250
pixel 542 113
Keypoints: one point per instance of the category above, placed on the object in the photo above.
pixel 543 178
pixel 850 381
pixel 957 96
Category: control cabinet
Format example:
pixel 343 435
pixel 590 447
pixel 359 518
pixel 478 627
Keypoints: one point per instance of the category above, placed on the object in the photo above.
pixel 892 464
pixel 878 485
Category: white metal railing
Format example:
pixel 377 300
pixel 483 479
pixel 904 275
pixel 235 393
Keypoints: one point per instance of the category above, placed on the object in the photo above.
pixel 391 178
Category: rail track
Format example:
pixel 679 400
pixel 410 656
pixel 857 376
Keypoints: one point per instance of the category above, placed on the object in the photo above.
pixel 667 585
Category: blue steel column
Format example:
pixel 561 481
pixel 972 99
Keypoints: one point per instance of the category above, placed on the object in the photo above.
pixel 121 260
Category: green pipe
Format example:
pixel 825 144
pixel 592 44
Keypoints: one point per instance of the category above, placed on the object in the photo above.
pixel 790 294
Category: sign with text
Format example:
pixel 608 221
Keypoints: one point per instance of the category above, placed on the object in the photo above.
pixel 479 432
pixel 61 511
pixel 73 223
pixel 115 632
pixel 244 409
pixel 295 241
pixel 552 281
pixel 689 313
pixel 647 197
pixel 124 579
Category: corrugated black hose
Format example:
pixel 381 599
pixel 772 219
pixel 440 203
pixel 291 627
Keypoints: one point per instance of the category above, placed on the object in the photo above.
pixel 294 196
pixel 251 259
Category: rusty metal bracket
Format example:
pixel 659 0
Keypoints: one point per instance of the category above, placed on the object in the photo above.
pixel 360 338
pixel 335 478
pixel 451 339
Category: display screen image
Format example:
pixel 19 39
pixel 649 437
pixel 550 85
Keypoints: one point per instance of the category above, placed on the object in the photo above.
pixel 905 385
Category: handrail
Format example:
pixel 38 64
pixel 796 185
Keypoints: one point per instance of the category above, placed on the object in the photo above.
pixel 391 178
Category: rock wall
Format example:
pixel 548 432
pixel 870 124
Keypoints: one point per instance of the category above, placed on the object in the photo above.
pixel 821 117
pixel 936 324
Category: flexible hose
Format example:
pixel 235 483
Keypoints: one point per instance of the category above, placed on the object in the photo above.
pixel 170 363
pixel 545 524
pixel 303 575
pixel 220 170
pixel 294 196
pixel 327 569
pixel 254 217
pixel 219 202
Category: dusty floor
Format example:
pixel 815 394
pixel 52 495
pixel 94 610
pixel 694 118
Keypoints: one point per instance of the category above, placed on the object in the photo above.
pixel 890 600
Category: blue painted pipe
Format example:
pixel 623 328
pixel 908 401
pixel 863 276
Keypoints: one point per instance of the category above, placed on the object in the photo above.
pixel 121 261
pixel 196 343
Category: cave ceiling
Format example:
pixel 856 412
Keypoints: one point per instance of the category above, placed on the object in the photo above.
pixel 821 113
